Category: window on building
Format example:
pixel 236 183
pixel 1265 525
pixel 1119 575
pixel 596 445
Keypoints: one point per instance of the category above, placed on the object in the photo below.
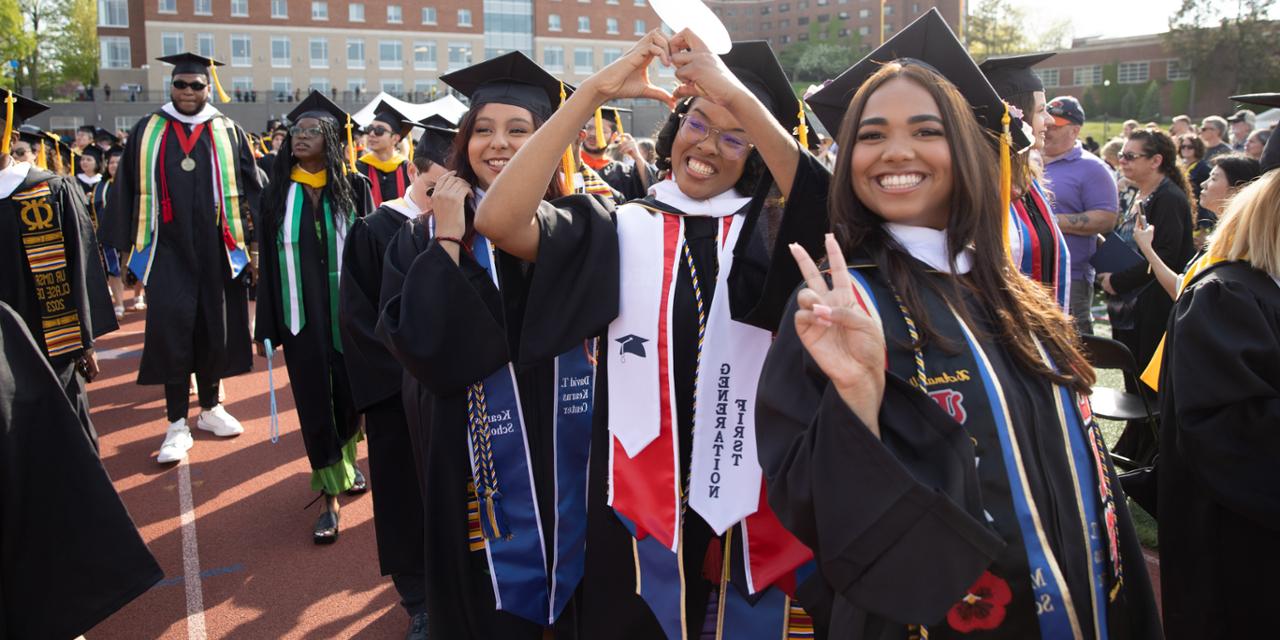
pixel 355 85
pixel 395 14
pixel 355 12
pixel 639 29
pixel 113 13
pixel 459 55
pixel 428 15
pixel 1133 72
pixel 864 31
pixel 584 24
pixel 764 11
pixel 1088 76
pixel 784 24
pixel 1176 70
pixel 803 4
pixel 888 9
pixel 1048 77
pixel 239 8
pixel 282 87
pixel 640 3
pixel 784 7
pixel 611 26
pixel 804 37
pixel 114 51
pixel 202 7
pixel 424 54
pixel 464 17
pixel 242 84
pixel 319 84
pixel 765 26
pixel 390 54
pixel 553 59
pixel 171 43
pixel 802 21
pixel 864 13
pixel 355 53
pixel 319 10
pixel 425 88
pixel 610 54
pixel 393 87
pixel 583 61
pixel 319 53
pixel 824 18
pixel 204 44
pixel 167 6
pixel 553 22
pixel 279 8
pixel 843 15
pixel 241 50
pixel 785 39
pixel 280 54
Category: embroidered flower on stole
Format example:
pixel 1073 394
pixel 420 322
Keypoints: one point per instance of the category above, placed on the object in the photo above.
pixel 983 608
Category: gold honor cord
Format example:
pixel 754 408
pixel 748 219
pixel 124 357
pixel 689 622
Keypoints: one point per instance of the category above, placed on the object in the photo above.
pixel 567 163
pixel 802 129
pixel 1006 180
pixel 8 123
pixel 351 148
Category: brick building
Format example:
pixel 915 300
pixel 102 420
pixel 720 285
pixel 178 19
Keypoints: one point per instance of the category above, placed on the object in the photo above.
pixel 786 22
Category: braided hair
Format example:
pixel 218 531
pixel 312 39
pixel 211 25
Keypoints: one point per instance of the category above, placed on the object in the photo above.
pixel 339 190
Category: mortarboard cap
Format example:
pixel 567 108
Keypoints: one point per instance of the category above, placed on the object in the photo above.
pixel 929 42
pixel 511 78
pixel 316 105
pixel 92 152
pixel 87 128
pixel 1011 75
pixel 756 66
pixel 31 134
pixel 190 63
pixel 632 344
pixel 435 143
pixel 15 109
pixel 100 134
pixel 1270 153
pixel 388 115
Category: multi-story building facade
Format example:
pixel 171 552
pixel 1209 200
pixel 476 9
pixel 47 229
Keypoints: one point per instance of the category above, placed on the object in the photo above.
pixel 786 22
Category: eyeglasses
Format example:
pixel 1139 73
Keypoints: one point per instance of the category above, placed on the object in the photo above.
pixel 309 132
pixel 194 86
pixel 378 131
pixel 730 145
pixel 19 152
pixel 1130 156
pixel 1187 147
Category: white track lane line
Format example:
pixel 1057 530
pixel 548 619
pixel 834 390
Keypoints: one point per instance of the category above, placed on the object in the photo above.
pixel 190 555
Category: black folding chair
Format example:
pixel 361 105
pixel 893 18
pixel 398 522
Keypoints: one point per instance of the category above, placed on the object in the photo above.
pixel 1118 404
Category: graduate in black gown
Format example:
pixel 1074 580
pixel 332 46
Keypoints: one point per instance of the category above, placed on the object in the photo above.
pixel 182 206
pixel 452 311
pixel 376 382
pixel 52 277
pixel 386 168
pixel 70 556
pixel 1219 502
pixel 89 170
pixel 922 419
pixel 632 181
pixel 308 209
pixel 725 145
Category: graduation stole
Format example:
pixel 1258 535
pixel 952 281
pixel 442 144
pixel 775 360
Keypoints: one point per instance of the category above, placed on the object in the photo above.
pixel 966 386
pixel 1032 252
pixel 155 205
pixel 45 246
pixel 505 496
pixel 290 254
pixel 593 184
pixel 388 166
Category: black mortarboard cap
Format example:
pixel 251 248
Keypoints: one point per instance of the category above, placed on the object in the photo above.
pixel 316 105
pixel 1011 75
pixel 435 142
pixel 93 152
pixel 1270 153
pixel 632 344
pixel 388 115
pixel 755 64
pixel 87 128
pixel 32 135
pixel 511 78
pixel 23 107
pixel 927 41
pixel 100 134
pixel 190 63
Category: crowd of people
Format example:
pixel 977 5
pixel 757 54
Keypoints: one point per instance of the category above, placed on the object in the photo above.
pixel 741 380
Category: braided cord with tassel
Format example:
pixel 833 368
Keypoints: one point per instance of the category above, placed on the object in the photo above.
pixel 491 522
pixel 702 334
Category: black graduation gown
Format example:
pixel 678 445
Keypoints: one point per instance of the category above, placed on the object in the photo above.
pixel 626 179
pixel 376 389
pixel 197 315
pixel 69 553
pixel 1219 498
pixel 386 185
pixel 88 283
pixel 318 374
pixel 450 327
pixel 902 527
pixel 574 297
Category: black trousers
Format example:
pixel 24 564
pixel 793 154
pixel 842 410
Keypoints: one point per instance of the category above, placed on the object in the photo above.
pixel 177 400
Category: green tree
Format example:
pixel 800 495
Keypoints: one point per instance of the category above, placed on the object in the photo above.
pixel 996 27
pixel 16 44
pixel 1149 103
pixel 1129 104
pixel 76 53
pixel 1230 41
pixel 65 49
pixel 822 60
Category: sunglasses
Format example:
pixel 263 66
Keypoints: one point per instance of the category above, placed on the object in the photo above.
pixel 1130 156
pixel 19 152
pixel 378 131
pixel 730 145
pixel 194 86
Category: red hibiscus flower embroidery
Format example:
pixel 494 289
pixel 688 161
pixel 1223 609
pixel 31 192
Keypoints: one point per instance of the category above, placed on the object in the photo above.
pixel 983 608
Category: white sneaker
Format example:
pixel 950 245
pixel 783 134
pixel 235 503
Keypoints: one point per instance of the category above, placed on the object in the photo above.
pixel 177 441
pixel 219 422
pixel 140 303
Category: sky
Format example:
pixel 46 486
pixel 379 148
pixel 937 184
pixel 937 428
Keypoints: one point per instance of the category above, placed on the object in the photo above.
pixel 1110 18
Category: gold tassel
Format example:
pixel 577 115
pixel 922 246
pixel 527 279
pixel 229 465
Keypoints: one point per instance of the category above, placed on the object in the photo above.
pixel 802 130
pixel 351 147
pixel 42 160
pixel 1006 181
pixel 600 141
pixel 409 140
pixel 567 163
pixel 617 123
pixel 213 75
pixel 9 100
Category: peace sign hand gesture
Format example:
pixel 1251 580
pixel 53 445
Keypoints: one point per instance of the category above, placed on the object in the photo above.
pixel 847 344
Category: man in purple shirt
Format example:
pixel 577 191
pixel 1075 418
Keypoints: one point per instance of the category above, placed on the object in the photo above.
pixel 1084 196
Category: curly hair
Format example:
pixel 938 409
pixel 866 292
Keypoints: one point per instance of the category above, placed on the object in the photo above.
pixel 752 171
pixel 339 191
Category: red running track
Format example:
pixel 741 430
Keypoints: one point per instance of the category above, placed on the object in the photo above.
pixel 260 576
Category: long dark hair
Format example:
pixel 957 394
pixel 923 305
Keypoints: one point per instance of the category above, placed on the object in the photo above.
pixel 339 190
pixel 752 171
pixel 1021 308
pixel 1024 170
pixel 1156 141
pixel 1239 168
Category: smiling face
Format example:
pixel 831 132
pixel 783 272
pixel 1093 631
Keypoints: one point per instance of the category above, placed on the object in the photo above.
pixel 1215 190
pixel 901 160
pixel 588 135
pixel 699 163
pixel 113 163
pixel 88 165
pixel 1039 119
pixel 498 133
pixel 307 146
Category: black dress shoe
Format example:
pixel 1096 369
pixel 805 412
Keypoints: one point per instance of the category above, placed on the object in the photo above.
pixel 417 628
pixel 326 531
pixel 359 486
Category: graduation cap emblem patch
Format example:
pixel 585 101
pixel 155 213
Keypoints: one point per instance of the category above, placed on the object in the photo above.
pixel 632 344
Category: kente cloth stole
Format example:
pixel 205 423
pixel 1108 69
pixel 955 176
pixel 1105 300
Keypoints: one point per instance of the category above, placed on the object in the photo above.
pixel 45 246
pixel 290 260
pixel 966 387
pixel 1031 263
pixel 503 514
pixel 592 183
pixel 154 197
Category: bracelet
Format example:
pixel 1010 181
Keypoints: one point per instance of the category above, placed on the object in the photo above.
pixel 457 241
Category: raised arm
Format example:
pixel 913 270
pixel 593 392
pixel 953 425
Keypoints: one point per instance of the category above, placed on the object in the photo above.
pixel 506 215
